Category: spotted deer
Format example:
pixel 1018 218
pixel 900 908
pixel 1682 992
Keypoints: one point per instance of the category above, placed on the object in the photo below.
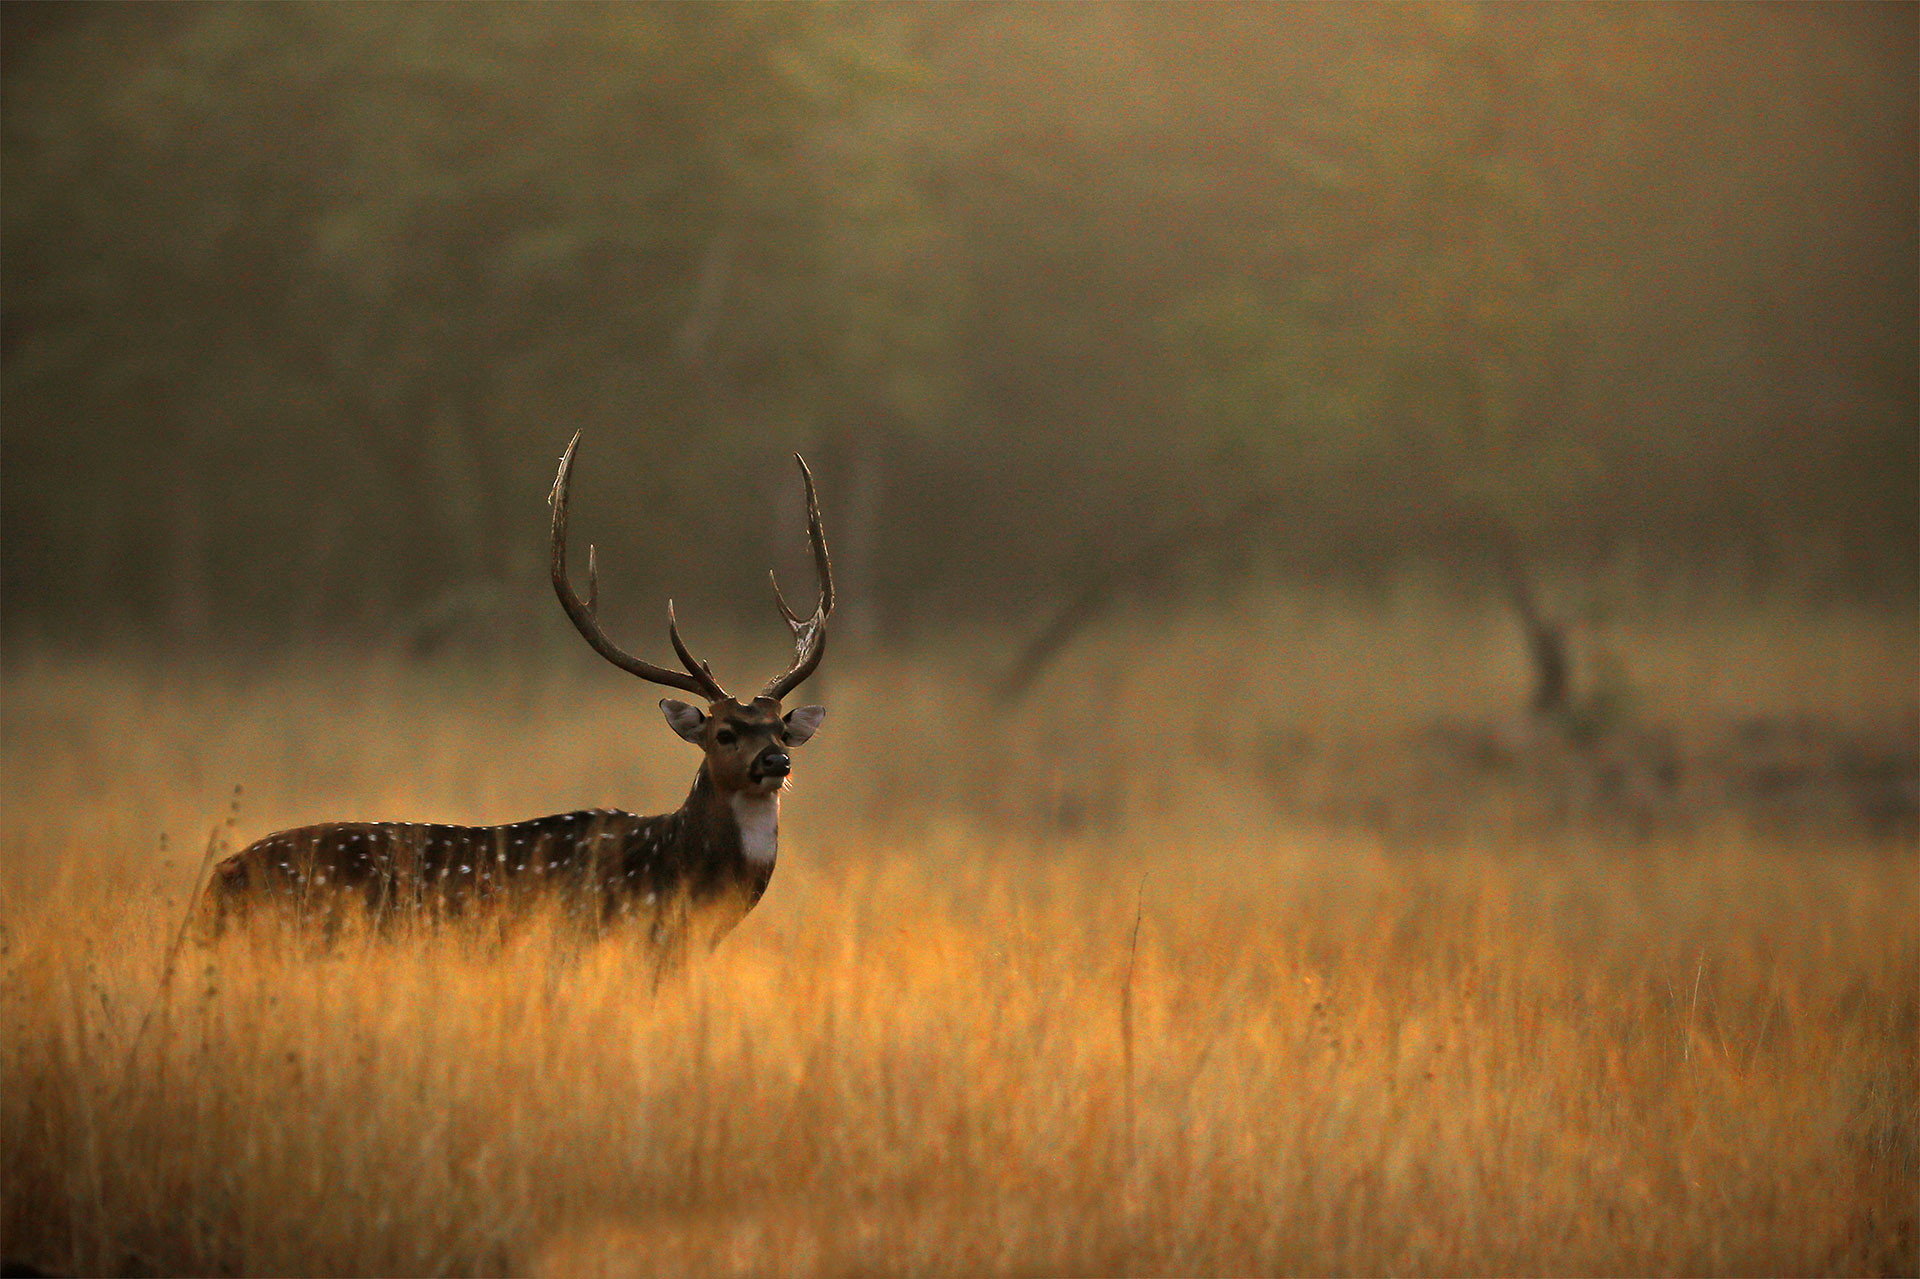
pixel 708 861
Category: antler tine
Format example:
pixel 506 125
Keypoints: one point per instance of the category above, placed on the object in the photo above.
pixel 810 633
pixel 817 533
pixel 584 613
pixel 699 669
pixel 793 619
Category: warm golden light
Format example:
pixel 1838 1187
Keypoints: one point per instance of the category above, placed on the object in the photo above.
pixel 1372 720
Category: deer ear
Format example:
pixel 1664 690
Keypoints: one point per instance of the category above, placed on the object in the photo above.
pixel 684 719
pixel 803 722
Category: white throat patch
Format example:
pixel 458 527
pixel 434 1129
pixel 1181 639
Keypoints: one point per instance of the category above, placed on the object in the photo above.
pixel 758 817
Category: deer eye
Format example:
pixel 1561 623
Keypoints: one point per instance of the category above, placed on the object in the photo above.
pixel 724 737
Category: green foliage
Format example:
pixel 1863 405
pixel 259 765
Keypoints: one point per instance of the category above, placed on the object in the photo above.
pixel 1441 320
pixel 302 300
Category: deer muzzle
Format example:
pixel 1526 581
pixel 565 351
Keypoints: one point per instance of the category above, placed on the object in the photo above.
pixel 772 762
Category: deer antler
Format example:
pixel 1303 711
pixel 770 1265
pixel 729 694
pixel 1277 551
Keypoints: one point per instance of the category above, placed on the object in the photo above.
pixel 697 679
pixel 810 633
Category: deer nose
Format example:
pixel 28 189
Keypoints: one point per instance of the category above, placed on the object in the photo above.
pixel 774 764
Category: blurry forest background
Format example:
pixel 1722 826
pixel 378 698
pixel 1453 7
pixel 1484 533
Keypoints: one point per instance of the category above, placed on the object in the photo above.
pixel 303 301
pixel 1304 391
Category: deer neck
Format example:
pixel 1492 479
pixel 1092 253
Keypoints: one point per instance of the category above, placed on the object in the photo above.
pixel 750 823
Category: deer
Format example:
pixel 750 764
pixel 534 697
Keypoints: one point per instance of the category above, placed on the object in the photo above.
pixel 710 860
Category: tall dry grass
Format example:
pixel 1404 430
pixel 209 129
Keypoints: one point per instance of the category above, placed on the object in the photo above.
pixel 1061 990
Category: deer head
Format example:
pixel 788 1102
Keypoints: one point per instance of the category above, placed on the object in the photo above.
pixel 746 744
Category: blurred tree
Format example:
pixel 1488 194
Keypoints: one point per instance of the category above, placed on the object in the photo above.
pixel 391 246
pixel 1410 323
pixel 1424 341
pixel 300 301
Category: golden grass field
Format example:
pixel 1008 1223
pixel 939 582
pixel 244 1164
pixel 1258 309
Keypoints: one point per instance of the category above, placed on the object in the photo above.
pixel 1067 990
